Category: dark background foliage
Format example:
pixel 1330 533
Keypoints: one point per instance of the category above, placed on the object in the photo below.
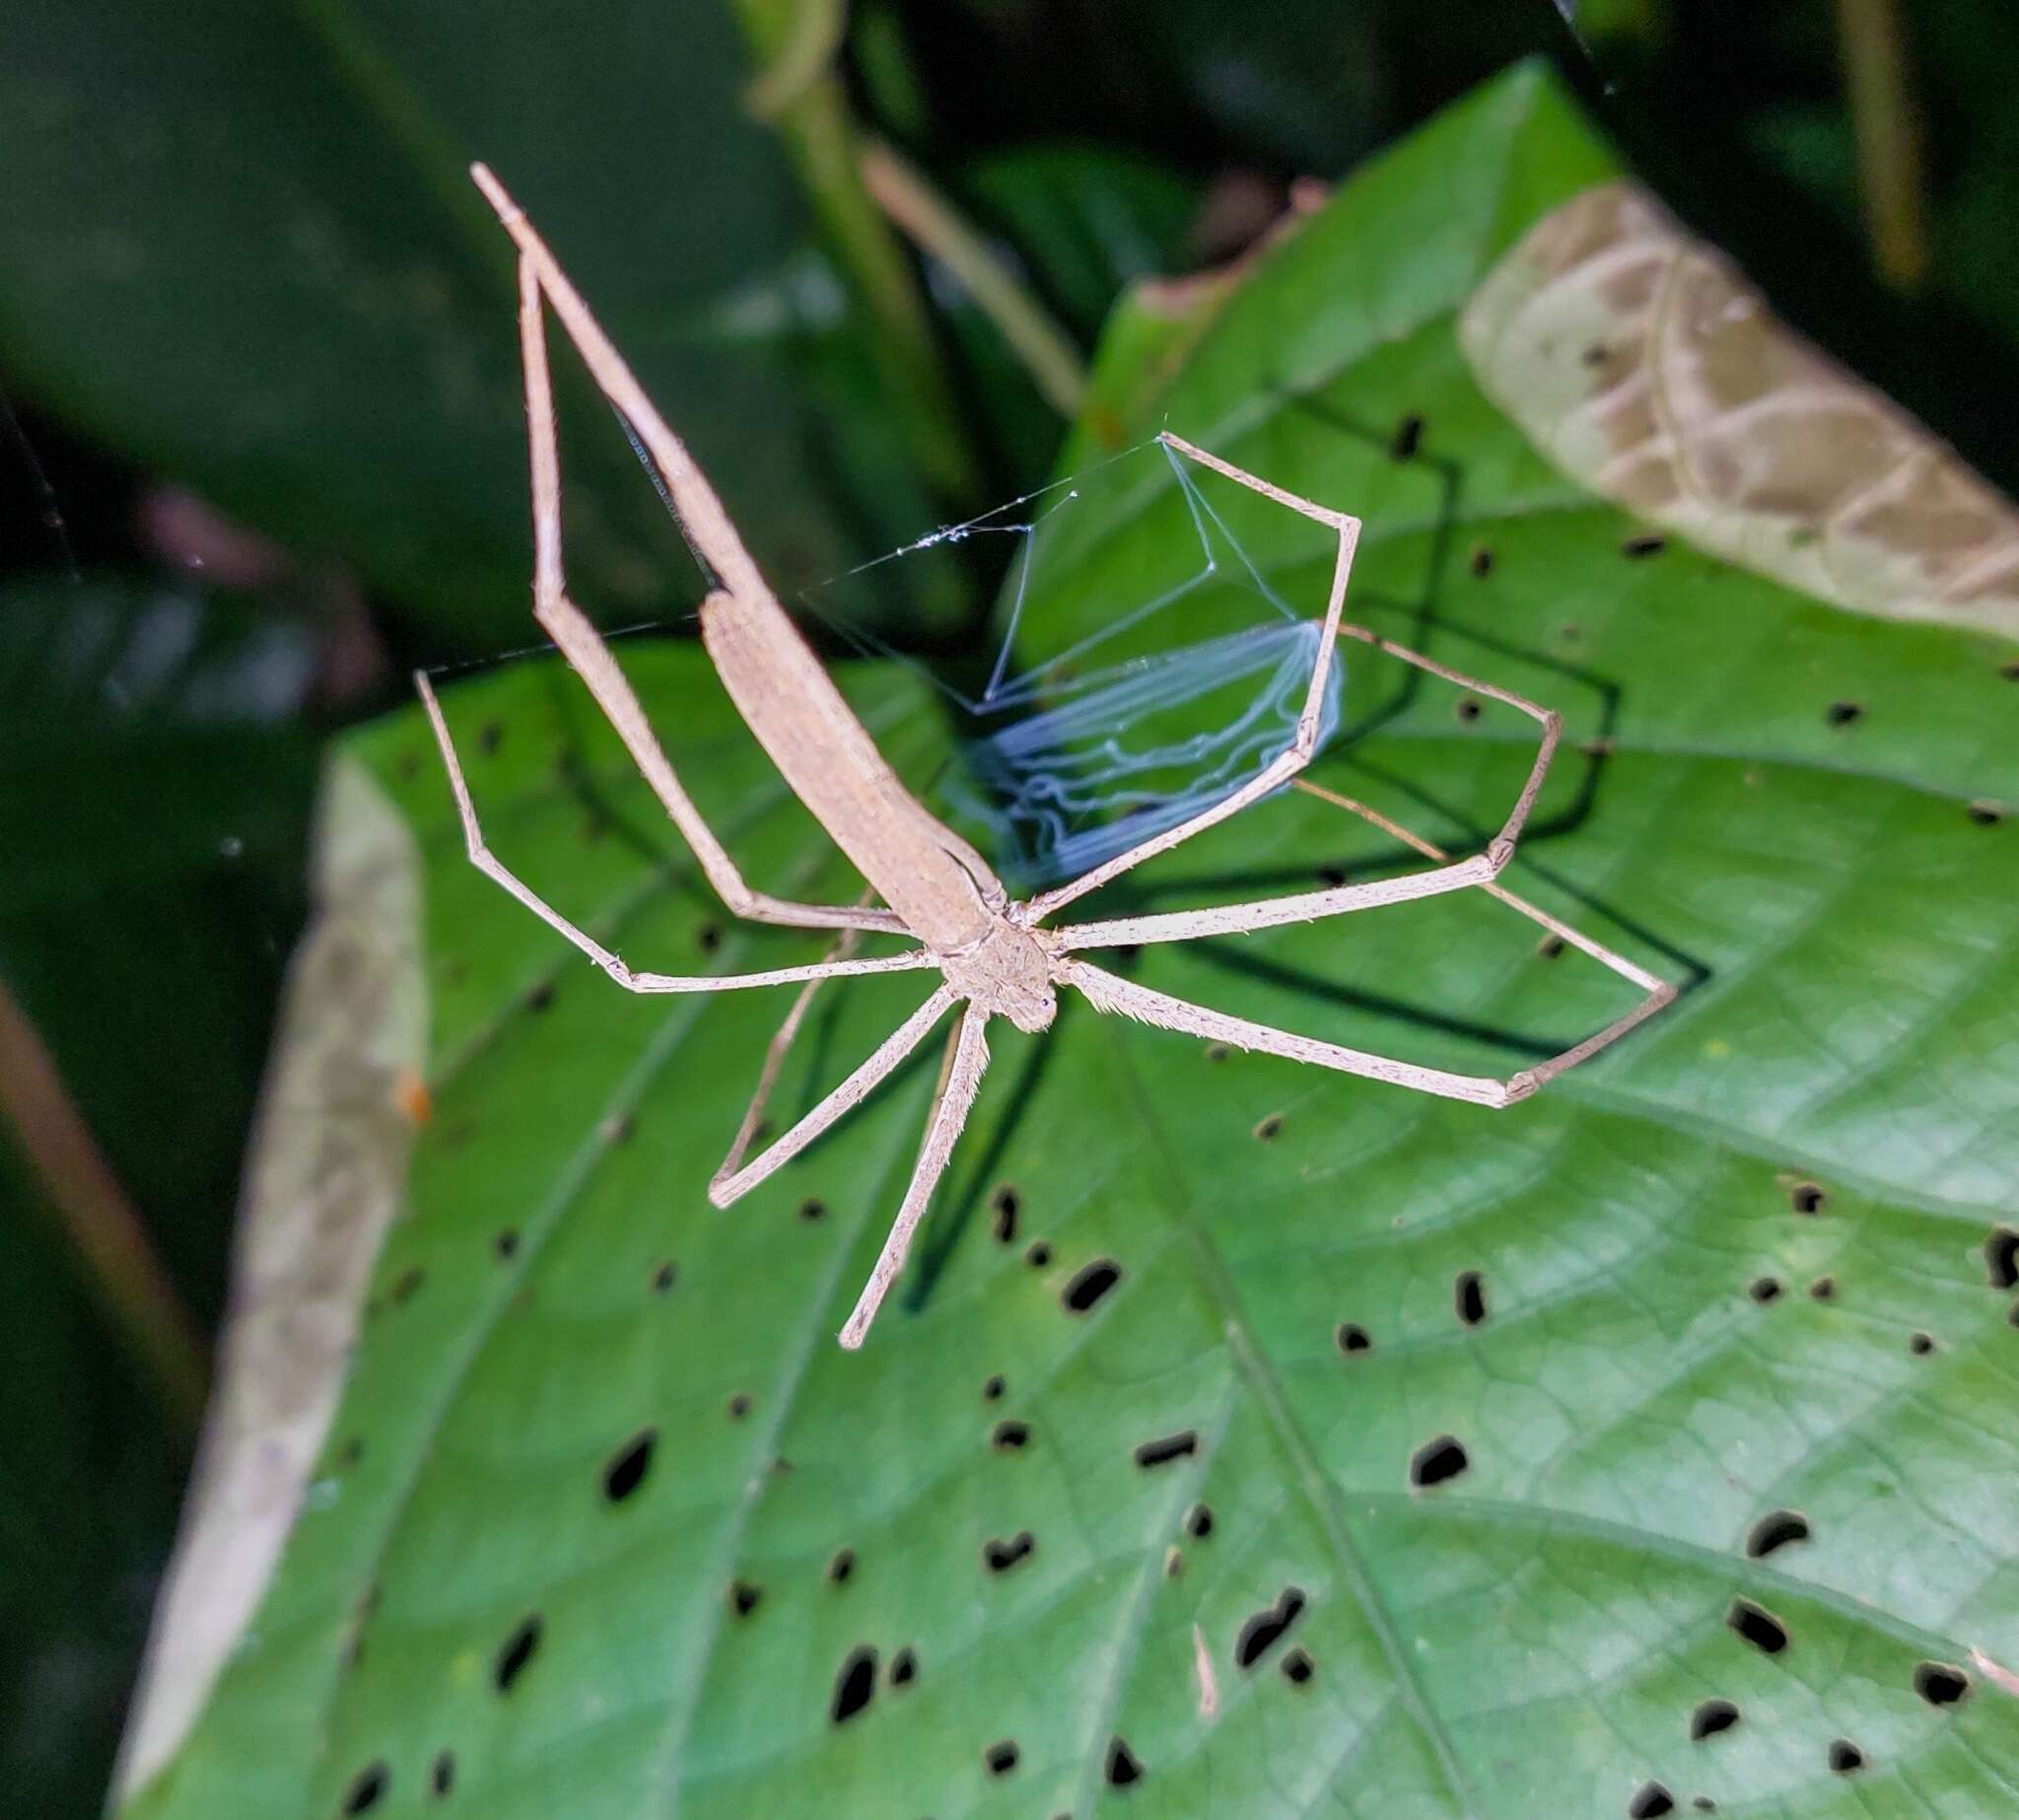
pixel 214 551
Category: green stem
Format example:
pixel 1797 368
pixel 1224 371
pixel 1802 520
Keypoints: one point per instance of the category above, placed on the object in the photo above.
pixel 1045 349
pixel 812 114
pixel 125 1273
pixel 1887 126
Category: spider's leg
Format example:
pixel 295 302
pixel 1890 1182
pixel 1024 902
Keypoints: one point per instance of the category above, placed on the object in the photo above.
pixel 703 515
pixel 957 1089
pixel 1309 906
pixel 1109 994
pixel 773 1058
pixel 487 863
pixel 730 1184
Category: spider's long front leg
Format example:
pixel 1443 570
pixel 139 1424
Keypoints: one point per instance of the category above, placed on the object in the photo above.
pixel 567 626
pixel 632 980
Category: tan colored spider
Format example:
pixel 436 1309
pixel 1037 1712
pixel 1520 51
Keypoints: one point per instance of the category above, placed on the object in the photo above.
pixel 996 957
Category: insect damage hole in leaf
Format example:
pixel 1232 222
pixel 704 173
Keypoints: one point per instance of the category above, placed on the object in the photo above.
pixel 517 1653
pixel 1261 1632
pixel 368 1790
pixel 1650 1800
pixel 1001 1757
pixel 1845 1757
pixel 1437 1461
pixel 1776 1529
pixel 1123 1766
pixel 904 1667
pixel 1199 1522
pixel 1843 713
pixel 999 1556
pixel 840 1566
pixel 1010 1436
pixel 2001 1258
pixel 1712 1717
pixel 1758 1626
pixel 855 1685
pixel 1469 1297
pixel 1808 1197
pixel 1169 1447
pixel 441 1775
pixel 1298 1667
pixel 1352 1337
pixel 1006 1205
pixel 1089 1285
pixel 745 1597
pixel 1941 1684
pixel 627 1469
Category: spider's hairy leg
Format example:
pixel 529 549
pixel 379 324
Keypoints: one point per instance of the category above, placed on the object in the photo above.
pixel 955 1100
pixel 702 514
pixel 732 1183
pixel 487 863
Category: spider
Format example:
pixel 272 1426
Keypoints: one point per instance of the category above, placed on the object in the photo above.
pixel 996 956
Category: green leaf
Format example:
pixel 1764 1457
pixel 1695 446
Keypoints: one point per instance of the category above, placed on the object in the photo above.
pixel 606 1525
pixel 308 318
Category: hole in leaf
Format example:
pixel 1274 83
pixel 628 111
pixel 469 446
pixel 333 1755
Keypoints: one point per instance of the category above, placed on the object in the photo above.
pixel 2010 672
pixel 1407 439
pixel 368 1790
pixel 542 997
pixel 1940 1684
pixel 1776 1529
pixel 1352 1337
pixel 707 938
pixel 666 1276
pixel 1549 948
pixel 1296 1666
pixel 1920 1345
pixel 1008 1204
pixel 812 1208
pixel 1823 1288
pixel 744 1597
pixel 1171 1447
pixel 626 1472
pixel 505 1244
pixel 841 1566
pixel 739 1406
pixel 1437 1461
pixel 1001 1757
pixel 1008 1436
pixel 1468 709
pixel 1985 813
pixel 1808 1197
pixel 1764 1289
pixel 1649 543
pixel 855 1685
pixel 1217 1052
pixel 1758 1626
pixel 1332 876
pixel 992 1390
pixel 1469 1296
pixel 409 1281
pixel 2001 1257
pixel 441 1775
pixel 1842 713
pixel 517 1653
pixel 1199 1522
pixel 1482 564
pixel 904 1667
pixel 1038 1255
pixel 1090 1285
pixel 1650 1800
pixel 999 1556
pixel 1261 1632
pixel 1845 1757
pixel 1123 1765
pixel 1269 1129
pixel 1711 1717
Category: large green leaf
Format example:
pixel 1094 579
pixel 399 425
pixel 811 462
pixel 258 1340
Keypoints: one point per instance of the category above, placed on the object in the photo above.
pixel 1167 1551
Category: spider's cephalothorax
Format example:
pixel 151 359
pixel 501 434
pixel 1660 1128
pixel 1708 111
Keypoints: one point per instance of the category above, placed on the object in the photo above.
pixel 1008 973
pixel 995 958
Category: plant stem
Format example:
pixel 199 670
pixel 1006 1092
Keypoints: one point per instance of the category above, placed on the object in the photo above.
pixel 1045 349
pixel 126 1274
pixel 1887 126
pixel 806 103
